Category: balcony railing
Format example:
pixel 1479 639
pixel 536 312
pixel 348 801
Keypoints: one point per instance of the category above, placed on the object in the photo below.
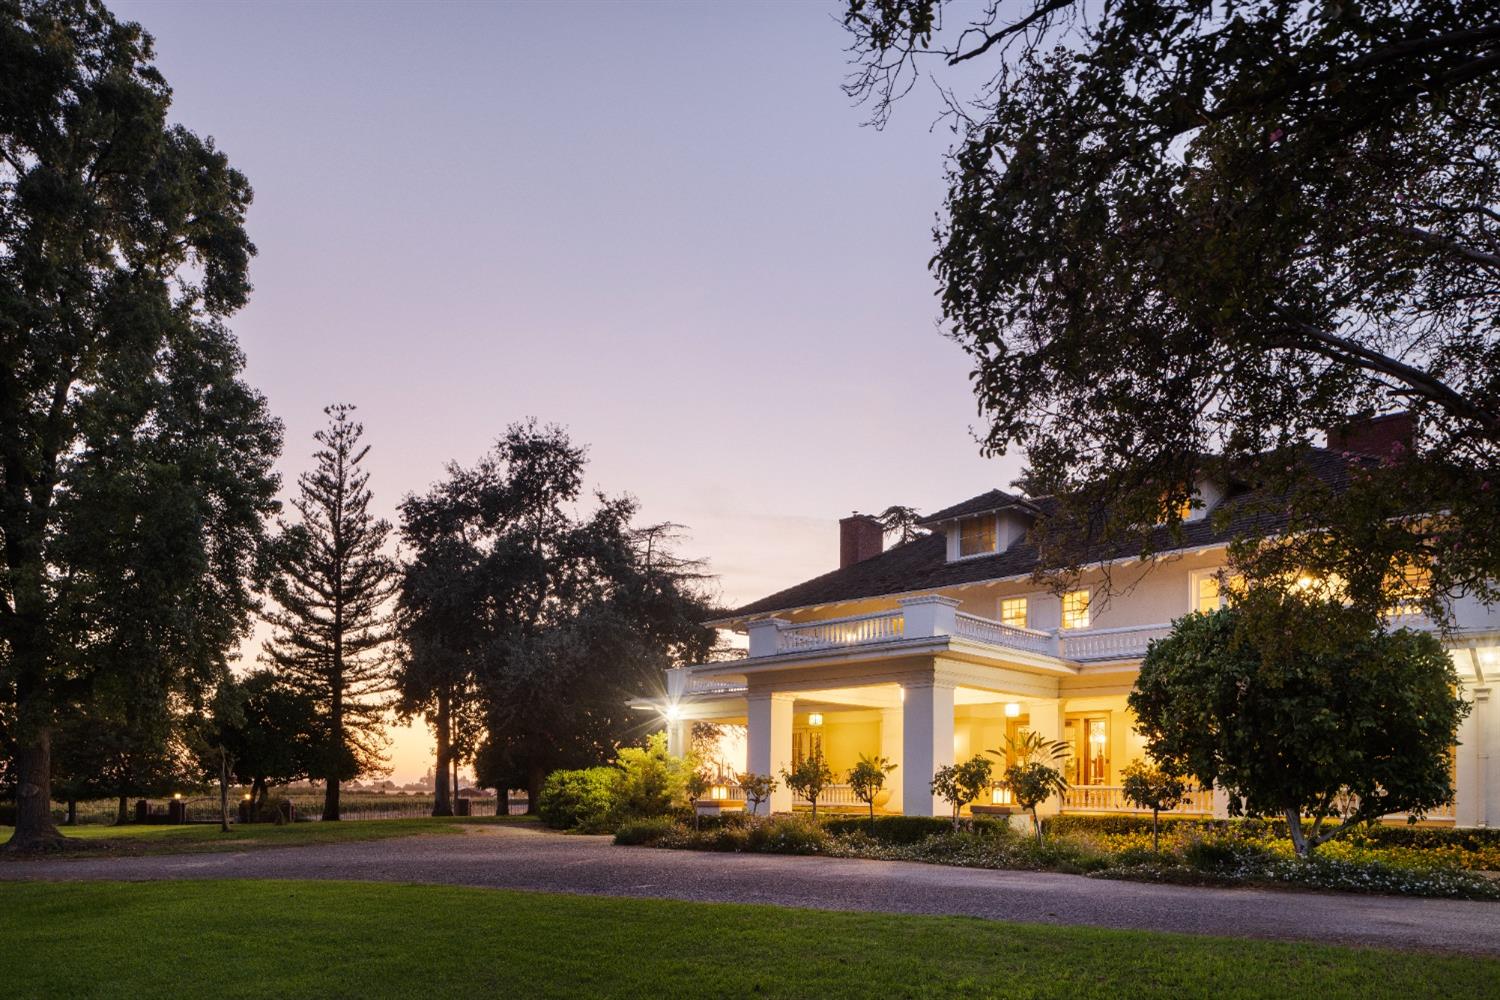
pixel 933 617
pixel 1111 799
pixel 833 796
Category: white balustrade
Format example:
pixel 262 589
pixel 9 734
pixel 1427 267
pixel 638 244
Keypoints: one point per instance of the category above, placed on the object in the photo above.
pixel 833 795
pixel 1000 634
pixel 1111 799
pixel 1111 643
pixel 880 627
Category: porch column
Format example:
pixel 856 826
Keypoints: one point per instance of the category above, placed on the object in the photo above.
pixel 1046 720
pixel 679 736
pixel 926 744
pixel 1471 768
pixel 890 749
pixel 768 741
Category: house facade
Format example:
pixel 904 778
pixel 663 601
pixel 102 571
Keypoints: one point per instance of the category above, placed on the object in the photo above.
pixel 938 649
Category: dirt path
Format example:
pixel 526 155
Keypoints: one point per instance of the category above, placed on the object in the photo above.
pixel 521 858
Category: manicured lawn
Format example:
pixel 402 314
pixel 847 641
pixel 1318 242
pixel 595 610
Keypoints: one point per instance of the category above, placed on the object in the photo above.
pixel 95 840
pixel 331 939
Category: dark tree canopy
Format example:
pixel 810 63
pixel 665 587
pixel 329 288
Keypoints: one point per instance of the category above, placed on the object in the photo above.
pixel 136 464
pixel 333 591
pixel 276 736
pixel 1179 236
pixel 555 616
pixel 1299 705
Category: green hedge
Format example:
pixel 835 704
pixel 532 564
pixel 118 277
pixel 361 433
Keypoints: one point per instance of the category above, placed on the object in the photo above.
pixel 1387 835
pixel 903 829
pixel 582 800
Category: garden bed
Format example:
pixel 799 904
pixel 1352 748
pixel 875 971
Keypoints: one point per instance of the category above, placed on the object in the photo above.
pixel 1459 864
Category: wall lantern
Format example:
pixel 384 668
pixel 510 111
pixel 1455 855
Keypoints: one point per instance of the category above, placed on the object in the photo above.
pixel 673 713
pixel 999 795
pixel 718 791
pixel 247 796
pixel 815 719
pixel 177 796
pixel 1012 709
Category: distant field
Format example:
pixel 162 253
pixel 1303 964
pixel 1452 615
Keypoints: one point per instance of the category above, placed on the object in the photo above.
pixel 308 802
pixel 205 837
pixel 334 940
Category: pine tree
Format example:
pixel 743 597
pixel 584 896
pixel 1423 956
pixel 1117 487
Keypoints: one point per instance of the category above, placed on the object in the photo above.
pixel 333 621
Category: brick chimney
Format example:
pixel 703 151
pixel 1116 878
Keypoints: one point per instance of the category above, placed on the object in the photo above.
pixel 1375 436
pixel 860 537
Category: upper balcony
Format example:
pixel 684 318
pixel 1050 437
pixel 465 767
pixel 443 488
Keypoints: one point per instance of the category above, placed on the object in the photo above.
pixel 933 616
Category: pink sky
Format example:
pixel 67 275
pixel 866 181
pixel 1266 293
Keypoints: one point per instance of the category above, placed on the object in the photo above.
pixel 659 225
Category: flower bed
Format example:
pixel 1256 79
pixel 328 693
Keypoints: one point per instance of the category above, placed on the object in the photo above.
pixel 1442 863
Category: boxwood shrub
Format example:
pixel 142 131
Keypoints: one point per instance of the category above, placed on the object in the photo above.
pixel 582 800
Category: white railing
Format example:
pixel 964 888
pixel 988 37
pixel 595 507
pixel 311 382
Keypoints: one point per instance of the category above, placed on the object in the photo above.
pixel 1111 799
pixel 714 685
pixel 987 630
pixel 879 627
pixel 832 795
pixel 1111 643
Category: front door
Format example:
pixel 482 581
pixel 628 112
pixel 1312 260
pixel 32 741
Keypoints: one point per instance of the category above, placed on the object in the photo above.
pixel 1088 737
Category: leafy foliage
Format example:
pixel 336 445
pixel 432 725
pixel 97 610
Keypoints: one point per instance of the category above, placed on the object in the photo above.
pixel 1182 240
pixel 582 800
pixel 808 777
pixel 1300 705
pixel 867 779
pixel 960 784
pixel 137 465
pixel 1034 774
pixel 332 622
pixel 757 789
pixel 1147 786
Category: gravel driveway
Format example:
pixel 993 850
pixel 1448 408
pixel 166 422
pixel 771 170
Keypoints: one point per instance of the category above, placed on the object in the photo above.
pixel 524 858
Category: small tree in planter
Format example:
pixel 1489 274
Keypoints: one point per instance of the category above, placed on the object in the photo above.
pixel 1034 775
pixel 757 788
pixel 698 784
pixel 867 778
pixel 960 784
pixel 808 778
pixel 1147 786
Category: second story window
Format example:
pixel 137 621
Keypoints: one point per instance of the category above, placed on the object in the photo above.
pixel 1206 595
pixel 976 536
pixel 1013 612
pixel 1075 609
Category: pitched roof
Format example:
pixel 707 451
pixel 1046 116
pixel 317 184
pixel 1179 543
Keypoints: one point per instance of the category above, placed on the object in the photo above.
pixel 984 503
pixel 922 564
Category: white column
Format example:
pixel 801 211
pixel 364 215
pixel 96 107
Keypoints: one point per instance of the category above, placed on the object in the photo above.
pixel 926 745
pixel 769 739
pixel 679 736
pixel 890 749
pixel 765 638
pixel 928 615
pixel 1046 720
pixel 1471 778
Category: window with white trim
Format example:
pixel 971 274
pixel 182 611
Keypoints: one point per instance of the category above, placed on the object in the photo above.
pixel 1075 609
pixel 976 535
pixel 1013 612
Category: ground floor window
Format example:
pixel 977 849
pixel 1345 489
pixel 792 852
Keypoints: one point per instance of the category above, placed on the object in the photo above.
pixel 1088 738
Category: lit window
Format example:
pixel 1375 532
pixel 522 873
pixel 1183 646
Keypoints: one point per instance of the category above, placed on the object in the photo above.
pixel 1013 612
pixel 1408 589
pixel 1075 609
pixel 976 535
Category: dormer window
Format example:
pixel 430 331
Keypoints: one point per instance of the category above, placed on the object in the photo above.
pixel 976 536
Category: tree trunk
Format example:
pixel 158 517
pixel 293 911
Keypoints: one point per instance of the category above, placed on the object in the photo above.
pixel 35 829
pixel 335 746
pixel 258 796
pixel 1294 830
pixel 72 819
pixel 534 778
pixel 1036 823
pixel 442 803
pixel 223 791
pixel 122 814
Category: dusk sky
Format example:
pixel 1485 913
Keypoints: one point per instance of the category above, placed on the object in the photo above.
pixel 659 225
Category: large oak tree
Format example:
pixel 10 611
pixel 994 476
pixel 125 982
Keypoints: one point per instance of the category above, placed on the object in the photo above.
pixel 136 463
pixel 1182 239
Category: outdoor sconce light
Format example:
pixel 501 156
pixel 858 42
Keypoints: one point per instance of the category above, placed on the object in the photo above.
pixel 673 713
pixel 1012 709
pixel 177 795
pixel 815 719
pixel 999 795
pixel 247 796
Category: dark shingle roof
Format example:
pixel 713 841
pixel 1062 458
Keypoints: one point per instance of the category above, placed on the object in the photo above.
pixel 922 564
pixel 984 503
